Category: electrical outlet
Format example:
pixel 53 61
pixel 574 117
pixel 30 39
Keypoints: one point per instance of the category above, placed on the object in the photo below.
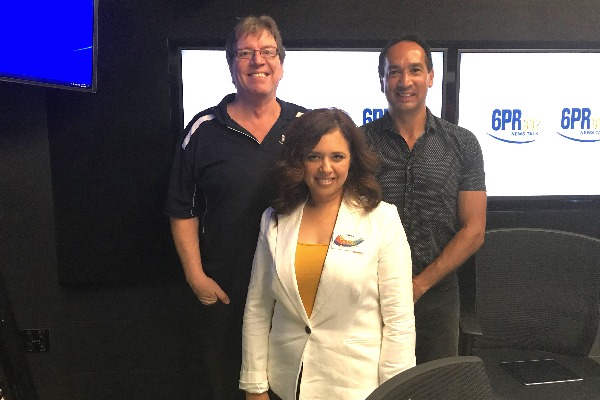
pixel 36 340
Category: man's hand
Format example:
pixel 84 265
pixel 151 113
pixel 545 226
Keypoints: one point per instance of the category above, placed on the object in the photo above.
pixel 208 291
pixel 185 236
pixel 418 288
pixel 471 215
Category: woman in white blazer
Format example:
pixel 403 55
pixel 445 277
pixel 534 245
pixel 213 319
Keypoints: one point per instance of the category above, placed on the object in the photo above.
pixel 329 313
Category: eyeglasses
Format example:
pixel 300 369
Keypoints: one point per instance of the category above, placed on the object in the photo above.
pixel 266 52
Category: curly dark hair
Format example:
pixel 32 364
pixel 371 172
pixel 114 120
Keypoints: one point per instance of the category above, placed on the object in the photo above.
pixel 301 136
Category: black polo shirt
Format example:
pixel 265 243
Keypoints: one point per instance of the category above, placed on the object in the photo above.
pixel 424 183
pixel 223 175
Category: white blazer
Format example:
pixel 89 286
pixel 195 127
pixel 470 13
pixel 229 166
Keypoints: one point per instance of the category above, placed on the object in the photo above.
pixel 362 328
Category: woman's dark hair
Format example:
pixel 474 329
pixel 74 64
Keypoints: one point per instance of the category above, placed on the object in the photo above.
pixel 301 136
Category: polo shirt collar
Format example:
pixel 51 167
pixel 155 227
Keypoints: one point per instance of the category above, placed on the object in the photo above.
pixel 288 111
pixel 388 123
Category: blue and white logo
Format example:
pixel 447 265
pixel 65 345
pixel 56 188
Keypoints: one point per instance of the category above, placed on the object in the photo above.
pixel 512 126
pixel 579 125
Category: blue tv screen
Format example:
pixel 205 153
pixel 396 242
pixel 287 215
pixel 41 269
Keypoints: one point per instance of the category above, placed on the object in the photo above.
pixel 49 43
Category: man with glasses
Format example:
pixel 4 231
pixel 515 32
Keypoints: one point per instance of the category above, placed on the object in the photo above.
pixel 220 185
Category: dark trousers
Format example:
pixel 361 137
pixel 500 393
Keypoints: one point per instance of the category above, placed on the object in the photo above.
pixel 221 336
pixel 437 315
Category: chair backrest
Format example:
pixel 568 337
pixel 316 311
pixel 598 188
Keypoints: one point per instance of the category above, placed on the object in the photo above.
pixel 538 289
pixel 453 378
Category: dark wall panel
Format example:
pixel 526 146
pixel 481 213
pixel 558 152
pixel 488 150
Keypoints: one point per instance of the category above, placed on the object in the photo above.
pixel 110 155
pixel 27 247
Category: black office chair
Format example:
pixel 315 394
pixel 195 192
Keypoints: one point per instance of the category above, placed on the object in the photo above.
pixel 537 297
pixel 453 378
pixel 538 289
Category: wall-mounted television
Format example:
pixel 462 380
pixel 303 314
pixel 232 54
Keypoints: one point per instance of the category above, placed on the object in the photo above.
pixel 536 114
pixel 49 43
pixel 344 78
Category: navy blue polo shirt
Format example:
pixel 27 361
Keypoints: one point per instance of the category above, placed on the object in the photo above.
pixel 223 176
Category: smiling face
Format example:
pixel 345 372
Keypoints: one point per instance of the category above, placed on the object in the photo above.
pixel 326 167
pixel 406 79
pixel 256 76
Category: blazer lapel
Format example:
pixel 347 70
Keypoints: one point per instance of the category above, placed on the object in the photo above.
pixel 285 254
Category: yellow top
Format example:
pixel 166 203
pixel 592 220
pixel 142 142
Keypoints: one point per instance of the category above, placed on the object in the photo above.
pixel 309 265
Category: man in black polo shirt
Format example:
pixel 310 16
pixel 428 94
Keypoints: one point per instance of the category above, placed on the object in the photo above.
pixel 432 171
pixel 219 187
